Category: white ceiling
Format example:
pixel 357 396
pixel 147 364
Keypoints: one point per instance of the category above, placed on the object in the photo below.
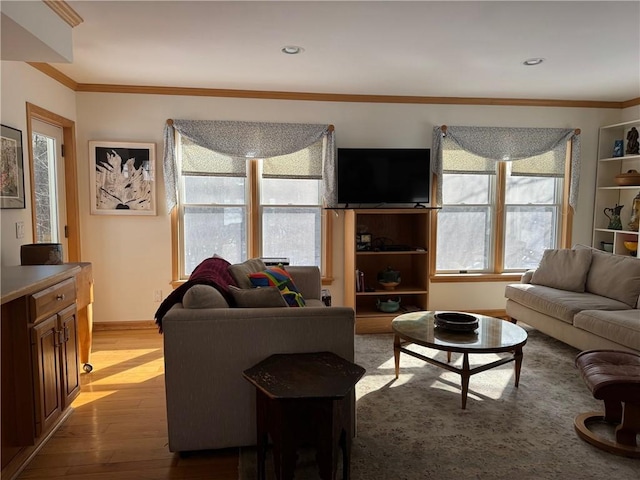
pixel 444 49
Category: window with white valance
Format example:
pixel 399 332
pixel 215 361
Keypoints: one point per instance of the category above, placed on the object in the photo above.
pixel 505 195
pixel 249 189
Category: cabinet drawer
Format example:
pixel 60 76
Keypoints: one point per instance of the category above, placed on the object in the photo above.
pixel 52 299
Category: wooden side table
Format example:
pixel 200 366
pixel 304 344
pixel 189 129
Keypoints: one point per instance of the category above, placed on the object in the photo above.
pixel 304 398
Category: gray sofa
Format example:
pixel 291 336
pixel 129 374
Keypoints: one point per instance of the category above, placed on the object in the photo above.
pixel 206 348
pixel 584 297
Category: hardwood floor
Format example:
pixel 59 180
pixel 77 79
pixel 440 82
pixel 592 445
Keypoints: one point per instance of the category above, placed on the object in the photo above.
pixel 118 428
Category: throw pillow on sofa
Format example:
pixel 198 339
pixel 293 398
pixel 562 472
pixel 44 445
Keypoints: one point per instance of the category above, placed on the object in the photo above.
pixel 615 276
pixel 203 296
pixel 563 269
pixel 263 297
pixel 241 271
pixel 279 277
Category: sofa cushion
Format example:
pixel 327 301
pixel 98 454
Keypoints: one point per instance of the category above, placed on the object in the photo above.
pixel 203 296
pixel 263 297
pixel 241 271
pixel 279 277
pixel 560 304
pixel 564 269
pixel 614 276
pixel 622 327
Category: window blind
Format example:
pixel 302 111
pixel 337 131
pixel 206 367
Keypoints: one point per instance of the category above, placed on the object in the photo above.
pixel 303 164
pixel 198 160
pixel 549 164
pixel 455 159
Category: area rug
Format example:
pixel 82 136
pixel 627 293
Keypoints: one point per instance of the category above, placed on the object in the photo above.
pixel 414 427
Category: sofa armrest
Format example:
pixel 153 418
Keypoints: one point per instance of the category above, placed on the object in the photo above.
pixel 526 276
pixel 307 279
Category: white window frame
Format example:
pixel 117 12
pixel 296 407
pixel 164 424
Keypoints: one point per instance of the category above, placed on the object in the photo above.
pixel 496 269
pixel 253 221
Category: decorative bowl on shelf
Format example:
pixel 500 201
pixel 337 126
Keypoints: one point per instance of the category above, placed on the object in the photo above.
pixel 631 178
pixel 632 247
pixel 456 322
pixel 388 306
pixel 389 285
pixel 389 278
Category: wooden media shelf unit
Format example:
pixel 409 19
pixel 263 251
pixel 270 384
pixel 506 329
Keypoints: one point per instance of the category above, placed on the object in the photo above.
pixel 400 240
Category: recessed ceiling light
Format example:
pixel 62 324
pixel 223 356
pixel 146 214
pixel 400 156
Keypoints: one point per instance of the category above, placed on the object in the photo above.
pixel 533 61
pixel 292 50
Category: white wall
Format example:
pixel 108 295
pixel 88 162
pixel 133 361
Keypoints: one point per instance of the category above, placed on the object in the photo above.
pixel 21 83
pixel 132 255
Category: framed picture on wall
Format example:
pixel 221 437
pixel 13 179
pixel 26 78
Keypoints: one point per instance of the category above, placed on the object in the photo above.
pixel 11 169
pixel 122 178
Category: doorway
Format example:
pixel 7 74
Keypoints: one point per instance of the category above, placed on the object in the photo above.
pixel 50 206
pixel 54 188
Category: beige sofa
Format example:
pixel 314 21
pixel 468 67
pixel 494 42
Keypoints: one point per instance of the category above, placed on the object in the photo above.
pixel 584 297
pixel 206 348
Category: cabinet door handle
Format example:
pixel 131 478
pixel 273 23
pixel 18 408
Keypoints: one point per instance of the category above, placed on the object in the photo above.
pixel 66 334
pixel 59 336
pixel 60 296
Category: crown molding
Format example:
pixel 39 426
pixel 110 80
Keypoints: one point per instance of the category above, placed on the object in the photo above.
pixel 631 103
pixel 55 74
pixel 322 97
pixel 64 11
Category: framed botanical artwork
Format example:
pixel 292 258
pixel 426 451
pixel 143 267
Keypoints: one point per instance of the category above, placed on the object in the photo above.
pixel 11 168
pixel 122 178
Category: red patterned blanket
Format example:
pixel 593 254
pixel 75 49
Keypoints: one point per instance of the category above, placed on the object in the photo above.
pixel 212 271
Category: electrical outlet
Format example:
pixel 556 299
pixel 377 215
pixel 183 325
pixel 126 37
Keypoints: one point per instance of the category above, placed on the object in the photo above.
pixel 157 296
pixel 19 229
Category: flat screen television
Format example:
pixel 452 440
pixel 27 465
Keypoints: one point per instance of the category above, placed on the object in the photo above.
pixel 384 176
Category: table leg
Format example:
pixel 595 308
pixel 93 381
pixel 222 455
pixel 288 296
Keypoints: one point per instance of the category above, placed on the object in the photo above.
pixel 396 353
pixel 518 356
pixel 345 441
pixel 465 374
pixel 284 417
pixel 324 413
pixel 261 433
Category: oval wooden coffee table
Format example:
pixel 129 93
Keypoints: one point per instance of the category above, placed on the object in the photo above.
pixel 493 335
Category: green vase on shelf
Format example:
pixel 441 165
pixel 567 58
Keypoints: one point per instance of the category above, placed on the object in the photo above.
pixel 614 217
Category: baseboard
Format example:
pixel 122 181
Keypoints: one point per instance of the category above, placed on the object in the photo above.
pixel 134 325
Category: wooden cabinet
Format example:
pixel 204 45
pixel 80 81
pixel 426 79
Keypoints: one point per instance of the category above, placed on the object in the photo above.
pixel 399 239
pixel 40 359
pixel 608 193
pixel 55 362
pixel 69 355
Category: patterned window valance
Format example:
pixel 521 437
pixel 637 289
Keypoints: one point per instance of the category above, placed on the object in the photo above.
pixel 242 140
pixel 534 151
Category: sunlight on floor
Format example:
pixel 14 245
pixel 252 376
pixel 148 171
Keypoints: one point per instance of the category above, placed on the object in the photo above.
pixel 86 398
pixel 100 383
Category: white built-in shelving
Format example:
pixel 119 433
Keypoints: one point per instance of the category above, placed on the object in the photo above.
pixel 608 193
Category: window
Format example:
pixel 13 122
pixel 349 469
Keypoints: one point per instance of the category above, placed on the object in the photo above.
pixel 243 208
pixel 46 190
pixel 498 217
pixel 48 184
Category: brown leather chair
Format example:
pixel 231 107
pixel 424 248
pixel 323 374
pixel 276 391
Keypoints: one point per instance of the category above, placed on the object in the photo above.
pixel 612 376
